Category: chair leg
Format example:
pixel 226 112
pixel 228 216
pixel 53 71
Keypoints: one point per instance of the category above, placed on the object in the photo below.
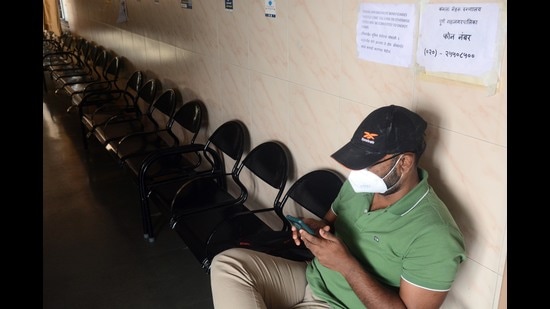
pixel 148 232
pixel 83 129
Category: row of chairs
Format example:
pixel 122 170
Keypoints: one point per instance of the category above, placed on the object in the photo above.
pixel 77 65
pixel 204 188
pixel 211 208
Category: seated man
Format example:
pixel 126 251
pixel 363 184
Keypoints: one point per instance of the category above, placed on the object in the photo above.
pixel 387 242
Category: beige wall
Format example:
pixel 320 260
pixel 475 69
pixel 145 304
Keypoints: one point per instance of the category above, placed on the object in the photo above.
pixel 297 79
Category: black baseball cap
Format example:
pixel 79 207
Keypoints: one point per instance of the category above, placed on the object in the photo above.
pixel 387 130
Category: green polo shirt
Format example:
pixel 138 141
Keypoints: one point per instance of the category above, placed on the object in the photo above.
pixel 415 239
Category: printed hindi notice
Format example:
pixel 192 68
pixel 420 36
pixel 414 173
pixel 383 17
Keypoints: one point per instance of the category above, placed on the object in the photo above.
pixel 458 38
pixel 385 33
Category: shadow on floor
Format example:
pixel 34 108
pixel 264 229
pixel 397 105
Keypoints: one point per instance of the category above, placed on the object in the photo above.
pixel 94 253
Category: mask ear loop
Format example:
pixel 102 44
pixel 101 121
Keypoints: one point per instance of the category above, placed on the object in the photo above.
pixel 394 166
pixel 380 162
pixel 398 180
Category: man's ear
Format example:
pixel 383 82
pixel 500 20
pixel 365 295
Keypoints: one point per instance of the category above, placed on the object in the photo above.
pixel 407 161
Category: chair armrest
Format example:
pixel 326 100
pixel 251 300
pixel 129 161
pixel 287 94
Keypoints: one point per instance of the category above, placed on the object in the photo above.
pixel 106 97
pixel 243 195
pixel 113 120
pixel 95 87
pixel 128 137
pixel 160 154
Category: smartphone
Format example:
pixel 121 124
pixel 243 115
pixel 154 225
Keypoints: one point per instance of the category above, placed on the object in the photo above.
pixel 299 224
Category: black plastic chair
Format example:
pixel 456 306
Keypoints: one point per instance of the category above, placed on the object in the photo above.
pixel 185 123
pixel 312 196
pixel 121 100
pixel 119 125
pixel 136 99
pixel 71 57
pixel 205 200
pixel 87 57
pixel 56 51
pixel 158 121
pixel 162 172
pixel 107 80
pixel 105 105
pixel 101 73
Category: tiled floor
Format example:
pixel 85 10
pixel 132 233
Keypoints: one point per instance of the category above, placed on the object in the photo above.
pixel 94 254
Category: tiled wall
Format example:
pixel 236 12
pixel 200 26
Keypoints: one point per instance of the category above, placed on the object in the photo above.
pixel 297 78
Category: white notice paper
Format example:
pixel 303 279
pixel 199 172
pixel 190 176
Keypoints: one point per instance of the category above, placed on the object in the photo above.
pixel 458 38
pixel 385 33
pixel 122 12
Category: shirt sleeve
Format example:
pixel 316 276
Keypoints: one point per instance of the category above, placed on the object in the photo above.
pixel 433 258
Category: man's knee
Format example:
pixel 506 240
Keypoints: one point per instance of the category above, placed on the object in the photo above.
pixel 229 259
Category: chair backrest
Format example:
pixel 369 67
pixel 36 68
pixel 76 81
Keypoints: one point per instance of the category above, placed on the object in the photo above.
pixel 90 53
pixel 134 82
pixel 162 110
pixel 189 117
pixel 229 139
pixel 67 41
pixel 146 96
pixel 80 47
pixel 87 52
pixel 111 70
pixel 270 161
pixel 98 62
pixel 131 89
pixel 314 191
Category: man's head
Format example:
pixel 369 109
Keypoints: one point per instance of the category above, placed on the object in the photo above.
pixel 387 130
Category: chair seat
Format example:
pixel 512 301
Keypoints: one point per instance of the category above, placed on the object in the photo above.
pixel 169 167
pixel 211 193
pixel 114 131
pixel 111 113
pixel 141 143
pixel 196 229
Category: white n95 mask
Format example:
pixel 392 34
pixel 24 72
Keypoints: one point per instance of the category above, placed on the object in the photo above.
pixel 365 181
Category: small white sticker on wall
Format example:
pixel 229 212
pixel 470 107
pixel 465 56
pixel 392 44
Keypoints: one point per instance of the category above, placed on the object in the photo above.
pixel 270 9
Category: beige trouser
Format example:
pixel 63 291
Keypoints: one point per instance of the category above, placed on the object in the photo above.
pixel 247 279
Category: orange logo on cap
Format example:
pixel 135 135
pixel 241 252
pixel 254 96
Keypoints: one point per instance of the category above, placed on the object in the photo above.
pixel 370 136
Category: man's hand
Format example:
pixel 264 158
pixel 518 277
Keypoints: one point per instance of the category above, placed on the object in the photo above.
pixel 313 224
pixel 329 249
